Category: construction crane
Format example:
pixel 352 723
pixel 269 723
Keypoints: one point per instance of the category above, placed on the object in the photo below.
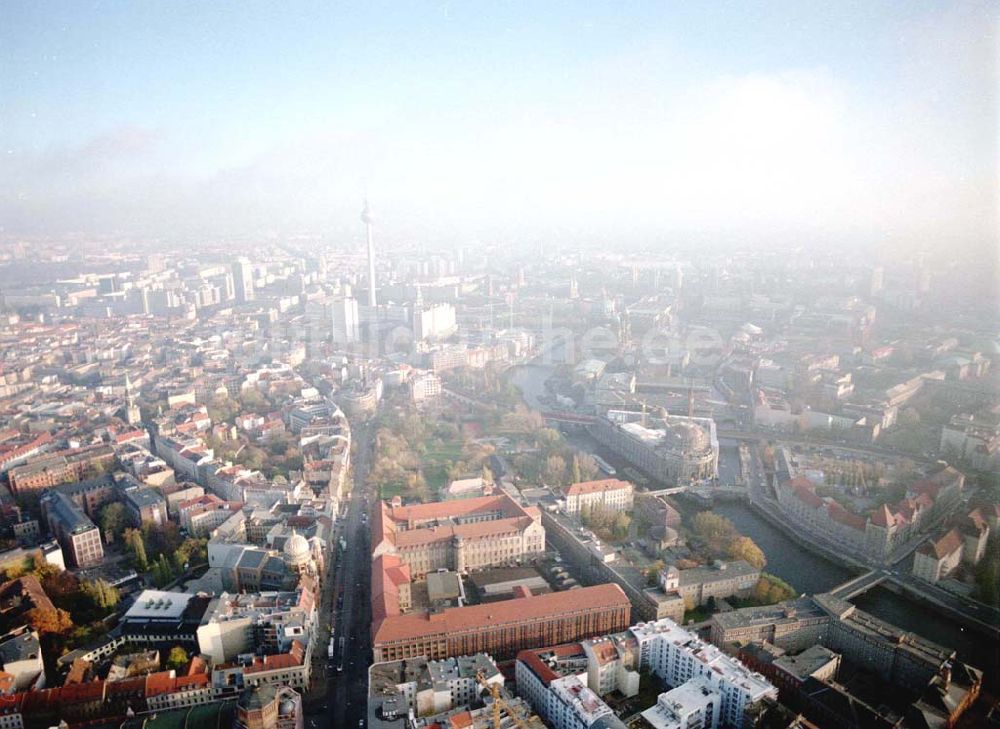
pixel 632 398
pixel 500 705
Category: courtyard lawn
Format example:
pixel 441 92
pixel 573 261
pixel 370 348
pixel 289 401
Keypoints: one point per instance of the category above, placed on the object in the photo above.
pixel 388 490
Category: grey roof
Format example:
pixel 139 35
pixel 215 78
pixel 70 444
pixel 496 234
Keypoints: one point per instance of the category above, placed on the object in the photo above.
pixel 806 663
pixel 790 610
pixel 252 558
pixel 258 697
pixel 79 487
pixel 19 646
pixel 143 497
pixel 62 508
pixel 716 573
pixel 443 585
pixel 275 565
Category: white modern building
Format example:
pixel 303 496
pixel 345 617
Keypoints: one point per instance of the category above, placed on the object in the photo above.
pixel 345 320
pixel 678 656
pixel 433 322
pixel 243 280
pixel 692 705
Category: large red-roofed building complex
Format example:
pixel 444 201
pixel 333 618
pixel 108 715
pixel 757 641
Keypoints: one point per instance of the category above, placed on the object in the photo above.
pixel 409 542
pixel 503 628
pixel 460 535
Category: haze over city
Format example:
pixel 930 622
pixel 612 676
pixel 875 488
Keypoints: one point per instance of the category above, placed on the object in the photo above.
pixel 784 123
pixel 499 365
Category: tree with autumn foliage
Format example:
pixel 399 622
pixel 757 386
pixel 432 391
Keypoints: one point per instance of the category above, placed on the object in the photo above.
pixel 177 658
pixel 49 621
pixel 744 548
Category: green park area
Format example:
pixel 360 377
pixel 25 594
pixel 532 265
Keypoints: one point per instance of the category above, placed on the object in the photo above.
pixel 418 454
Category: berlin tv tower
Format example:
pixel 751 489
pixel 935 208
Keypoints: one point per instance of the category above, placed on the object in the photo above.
pixel 366 218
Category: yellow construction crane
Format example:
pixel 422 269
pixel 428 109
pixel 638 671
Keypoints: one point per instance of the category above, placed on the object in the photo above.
pixel 531 722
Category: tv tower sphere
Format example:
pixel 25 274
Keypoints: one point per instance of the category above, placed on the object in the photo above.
pixel 366 215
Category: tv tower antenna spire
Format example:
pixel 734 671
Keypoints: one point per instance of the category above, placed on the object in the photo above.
pixel 368 220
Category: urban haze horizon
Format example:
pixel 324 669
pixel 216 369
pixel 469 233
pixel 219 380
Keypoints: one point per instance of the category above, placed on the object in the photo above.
pixel 863 129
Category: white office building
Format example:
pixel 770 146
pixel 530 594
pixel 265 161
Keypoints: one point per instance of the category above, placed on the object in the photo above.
pixel 345 320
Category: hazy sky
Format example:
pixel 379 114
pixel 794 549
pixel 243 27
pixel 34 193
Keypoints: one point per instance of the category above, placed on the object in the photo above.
pixel 812 120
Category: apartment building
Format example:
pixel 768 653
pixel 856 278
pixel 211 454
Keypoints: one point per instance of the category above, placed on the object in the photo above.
pixel 680 590
pixel 937 558
pixel 78 536
pixel 875 535
pixel 200 515
pixel 707 688
pixel 901 657
pixel 695 704
pixel 679 657
pixel 563 702
pixel 424 688
pixel 609 493
pixel 145 506
pixel 53 469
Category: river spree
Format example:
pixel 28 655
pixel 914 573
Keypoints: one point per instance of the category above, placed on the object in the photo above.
pixel 803 570
pixel 809 573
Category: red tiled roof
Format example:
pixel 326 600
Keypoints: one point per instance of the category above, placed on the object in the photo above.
pixel 532 658
pixel 976 517
pixel 132 685
pixel 945 545
pixel 398 575
pixel 29 590
pixel 278 661
pixel 77 671
pixel 805 492
pixel 882 516
pixel 605 651
pixel 130 435
pixel 450 509
pixel 204 499
pixel 388 573
pixel 471 617
pixel 159 683
pixel 475 530
pixel 541 669
pixel 799 482
pixel 420 518
pixel 590 487
pixel 17 452
pixel 197 680
pixel 839 514
pixel 932 485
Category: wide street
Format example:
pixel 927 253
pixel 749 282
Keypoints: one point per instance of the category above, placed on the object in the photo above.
pixel 348 691
pixel 345 703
